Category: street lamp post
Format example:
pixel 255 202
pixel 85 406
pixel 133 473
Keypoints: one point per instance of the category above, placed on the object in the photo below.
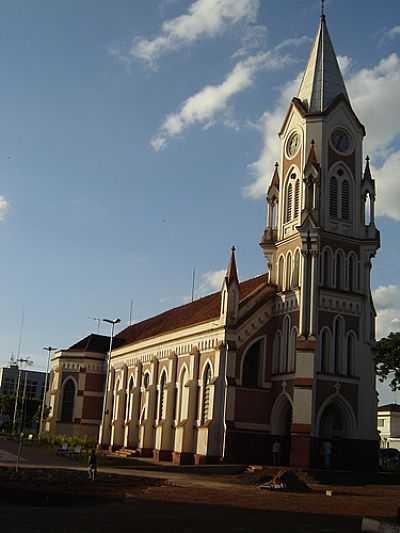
pixel 113 322
pixel 49 349
pixel 21 361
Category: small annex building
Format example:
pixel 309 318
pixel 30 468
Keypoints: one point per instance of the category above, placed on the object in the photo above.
pixel 389 425
pixel 76 388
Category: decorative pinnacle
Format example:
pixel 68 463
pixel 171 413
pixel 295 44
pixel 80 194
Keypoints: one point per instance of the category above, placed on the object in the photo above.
pixel 312 142
pixel 276 164
pixel 233 249
pixel 322 8
pixel 367 159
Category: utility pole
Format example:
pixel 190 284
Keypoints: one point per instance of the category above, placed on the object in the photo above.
pixel 108 367
pixel 49 349
pixel 19 361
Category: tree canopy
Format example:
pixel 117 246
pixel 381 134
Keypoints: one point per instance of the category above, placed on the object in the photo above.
pixel 387 360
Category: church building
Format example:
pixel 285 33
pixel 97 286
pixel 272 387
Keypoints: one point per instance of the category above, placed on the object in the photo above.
pixel 287 356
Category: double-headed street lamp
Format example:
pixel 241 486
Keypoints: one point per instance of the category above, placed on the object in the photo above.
pixel 49 349
pixel 113 322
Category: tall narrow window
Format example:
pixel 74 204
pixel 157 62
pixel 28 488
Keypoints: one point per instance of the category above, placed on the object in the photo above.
pixel 345 200
pixel 286 345
pixel 183 396
pixel 337 345
pixel 205 407
pixel 327 268
pixel 274 213
pixel 281 267
pixel 276 353
pixel 252 366
pixel 128 413
pixel 289 201
pixel 333 198
pixel 161 406
pixel 367 209
pixel 67 409
pixel 325 351
pixel 351 273
pixel 296 270
pixel 350 355
pixel 339 271
pixel 288 272
pixel 296 199
pixel 292 350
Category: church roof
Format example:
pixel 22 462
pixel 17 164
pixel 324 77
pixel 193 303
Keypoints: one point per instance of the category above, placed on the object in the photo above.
pixel 322 81
pixel 392 407
pixel 197 312
pixel 92 343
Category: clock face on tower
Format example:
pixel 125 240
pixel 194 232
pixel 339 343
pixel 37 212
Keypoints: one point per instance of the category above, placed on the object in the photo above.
pixel 293 144
pixel 341 141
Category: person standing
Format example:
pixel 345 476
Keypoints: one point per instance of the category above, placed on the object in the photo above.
pixel 92 465
pixel 327 453
pixel 276 453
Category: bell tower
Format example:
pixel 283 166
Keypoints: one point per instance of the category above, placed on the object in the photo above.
pixel 319 240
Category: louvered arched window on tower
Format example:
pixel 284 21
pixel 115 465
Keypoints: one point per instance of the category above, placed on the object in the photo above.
pixel 333 197
pixel 345 200
pixel 289 201
pixel 161 407
pixel 296 199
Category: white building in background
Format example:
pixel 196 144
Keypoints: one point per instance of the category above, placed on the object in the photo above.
pixel 389 425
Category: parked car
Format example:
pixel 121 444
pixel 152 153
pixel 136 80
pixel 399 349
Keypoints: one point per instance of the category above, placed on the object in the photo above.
pixel 389 459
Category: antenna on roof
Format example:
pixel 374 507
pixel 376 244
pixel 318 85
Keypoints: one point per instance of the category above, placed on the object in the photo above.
pixel 98 320
pixel 130 312
pixel 193 280
pixel 21 330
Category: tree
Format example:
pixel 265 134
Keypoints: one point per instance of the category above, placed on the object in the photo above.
pixel 387 360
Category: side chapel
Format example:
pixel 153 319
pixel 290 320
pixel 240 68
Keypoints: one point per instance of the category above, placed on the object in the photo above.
pixel 287 355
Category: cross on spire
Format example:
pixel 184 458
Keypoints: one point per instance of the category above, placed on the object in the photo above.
pixel 322 8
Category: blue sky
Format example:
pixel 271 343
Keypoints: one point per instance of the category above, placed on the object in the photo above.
pixel 135 142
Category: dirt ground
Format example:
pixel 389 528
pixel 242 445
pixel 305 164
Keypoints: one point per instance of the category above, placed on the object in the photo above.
pixel 134 504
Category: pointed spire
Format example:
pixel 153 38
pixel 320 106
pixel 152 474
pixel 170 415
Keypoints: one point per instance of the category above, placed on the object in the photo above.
pixel 322 81
pixel 231 273
pixel 312 157
pixel 275 177
pixel 367 171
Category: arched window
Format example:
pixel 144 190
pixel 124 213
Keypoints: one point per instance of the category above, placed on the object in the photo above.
pixel 289 201
pixel 367 209
pixel 161 405
pixel 281 268
pixel 205 406
pixel 296 199
pixel 288 272
pixel 276 353
pixel 352 273
pixel 128 414
pixel 183 395
pixel 339 270
pixel 333 197
pixel 350 355
pixel 338 336
pixel 325 351
pixel 252 366
pixel 326 268
pixel 67 408
pixel 296 270
pixel 345 200
pixel 274 213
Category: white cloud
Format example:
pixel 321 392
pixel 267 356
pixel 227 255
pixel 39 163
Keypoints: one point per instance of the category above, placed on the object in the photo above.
pixel 204 106
pixel 374 96
pixel 393 32
pixel 387 304
pixel 204 18
pixel 4 207
pixel 211 281
pixel 269 125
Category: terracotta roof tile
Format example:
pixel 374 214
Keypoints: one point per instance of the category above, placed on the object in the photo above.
pixel 91 343
pixel 199 311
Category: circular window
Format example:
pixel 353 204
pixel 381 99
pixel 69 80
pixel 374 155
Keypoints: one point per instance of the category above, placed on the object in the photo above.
pixel 293 144
pixel 341 141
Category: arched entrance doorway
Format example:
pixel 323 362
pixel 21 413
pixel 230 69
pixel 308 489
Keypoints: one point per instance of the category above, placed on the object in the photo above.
pixel 336 425
pixel 281 424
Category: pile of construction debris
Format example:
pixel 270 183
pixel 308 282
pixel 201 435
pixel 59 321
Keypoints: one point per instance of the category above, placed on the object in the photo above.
pixel 286 480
